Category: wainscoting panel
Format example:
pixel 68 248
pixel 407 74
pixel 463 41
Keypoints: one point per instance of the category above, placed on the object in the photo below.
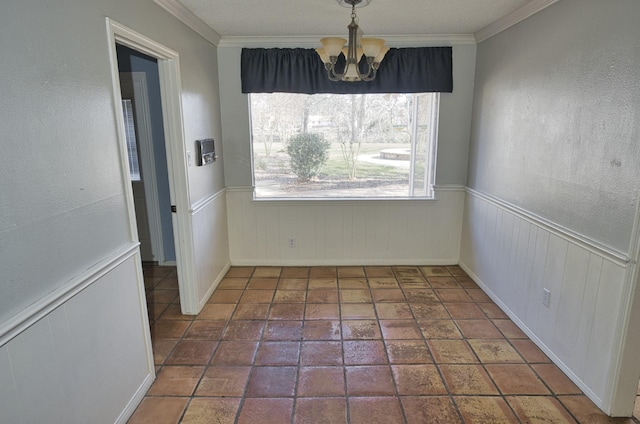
pixel 356 232
pixel 86 361
pixel 211 245
pixel 513 256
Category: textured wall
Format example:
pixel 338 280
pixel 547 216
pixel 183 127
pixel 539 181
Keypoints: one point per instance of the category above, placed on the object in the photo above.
pixel 556 123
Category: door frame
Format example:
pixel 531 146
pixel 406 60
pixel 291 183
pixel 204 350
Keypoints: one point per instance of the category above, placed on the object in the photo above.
pixel 171 95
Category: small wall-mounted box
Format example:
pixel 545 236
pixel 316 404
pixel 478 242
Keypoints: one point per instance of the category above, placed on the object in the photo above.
pixel 206 151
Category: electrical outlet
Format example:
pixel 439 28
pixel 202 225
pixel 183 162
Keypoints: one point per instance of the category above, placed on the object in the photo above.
pixel 546 297
pixel 292 242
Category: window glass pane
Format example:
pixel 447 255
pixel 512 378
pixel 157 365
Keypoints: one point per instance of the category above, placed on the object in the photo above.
pixel 132 144
pixel 343 145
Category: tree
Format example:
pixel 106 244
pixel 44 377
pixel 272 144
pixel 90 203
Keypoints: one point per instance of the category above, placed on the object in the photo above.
pixel 308 152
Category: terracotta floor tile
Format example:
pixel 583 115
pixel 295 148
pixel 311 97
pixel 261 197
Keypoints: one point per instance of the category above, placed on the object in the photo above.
pixel 375 410
pixel 322 311
pixel 240 271
pixel 478 329
pixel 435 271
pixel 352 283
pixel 287 311
pixel 272 411
pixel 292 284
pixel 216 311
pixel 272 382
pixel 251 311
pixel 155 310
pixel 223 381
pixel 211 410
pixel 205 330
pixel 393 311
pixel 244 331
pixel 485 409
pixel 278 353
pixel 350 271
pixel 408 352
pixel 413 283
pixel 355 296
pixel 323 271
pixel 400 329
pixel 233 283
pixel 234 353
pixel 161 349
pixel 421 296
pixel 159 410
pixel 373 380
pixel 451 352
pixel 176 381
pixel 357 311
pixel 557 381
pixel 539 410
pixel 360 330
pixel 383 283
pixel 494 351
pixel 290 296
pixel 364 352
pixel 321 353
pixel 465 311
pixel 322 296
pixel 429 311
pixel 430 409
pixel 378 271
pixel 323 283
pixel 416 380
pixel 443 282
pixel 468 380
pixel 295 272
pixel 321 330
pixel 467 282
pixel 587 413
pixel 173 311
pixel 321 410
pixel 509 329
pixel 493 311
pixel 321 381
pixel 478 296
pixel 439 329
pixel 453 295
pixel 169 329
pixel 529 351
pixel 262 283
pixel 162 296
pixel 516 379
pixel 257 296
pixel 283 330
pixel 192 352
pixel 407 271
pixel 387 295
pixel 267 272
pixel 225 296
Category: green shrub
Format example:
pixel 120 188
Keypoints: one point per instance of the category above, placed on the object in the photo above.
pixel 308 152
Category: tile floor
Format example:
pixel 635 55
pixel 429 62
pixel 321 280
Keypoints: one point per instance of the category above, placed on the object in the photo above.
pixel 349 345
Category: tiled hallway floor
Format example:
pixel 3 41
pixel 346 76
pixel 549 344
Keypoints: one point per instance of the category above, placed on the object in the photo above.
pixel 349 345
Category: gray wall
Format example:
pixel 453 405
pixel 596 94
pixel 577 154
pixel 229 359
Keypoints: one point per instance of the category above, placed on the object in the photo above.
pixel 556 121
pixel 454 125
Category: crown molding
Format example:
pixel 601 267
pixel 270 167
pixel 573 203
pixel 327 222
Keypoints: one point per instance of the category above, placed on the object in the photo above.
pixel 308 41
pixel 178 10
pixel 517 16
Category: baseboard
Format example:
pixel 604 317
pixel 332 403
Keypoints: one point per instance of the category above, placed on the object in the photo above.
pixel 213 287
pixel 133 403
pixel 349 262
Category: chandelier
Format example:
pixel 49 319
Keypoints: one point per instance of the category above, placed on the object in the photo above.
pixel 372 48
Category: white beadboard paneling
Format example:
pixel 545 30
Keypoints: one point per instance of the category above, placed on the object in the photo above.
pixel 211 245
pixel 513 256
pixel 333 232
pixel 9 406
pixel 87 359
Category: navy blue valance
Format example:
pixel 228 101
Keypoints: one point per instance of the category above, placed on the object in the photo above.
pixel 405 70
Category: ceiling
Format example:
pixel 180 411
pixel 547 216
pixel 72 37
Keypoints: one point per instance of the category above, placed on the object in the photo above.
pixel 275 18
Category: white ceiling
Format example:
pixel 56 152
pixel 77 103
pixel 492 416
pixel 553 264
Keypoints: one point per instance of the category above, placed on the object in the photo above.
pixel 271 18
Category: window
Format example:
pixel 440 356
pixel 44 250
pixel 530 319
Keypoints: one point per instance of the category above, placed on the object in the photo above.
pixel 344 145
pixel 132 144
